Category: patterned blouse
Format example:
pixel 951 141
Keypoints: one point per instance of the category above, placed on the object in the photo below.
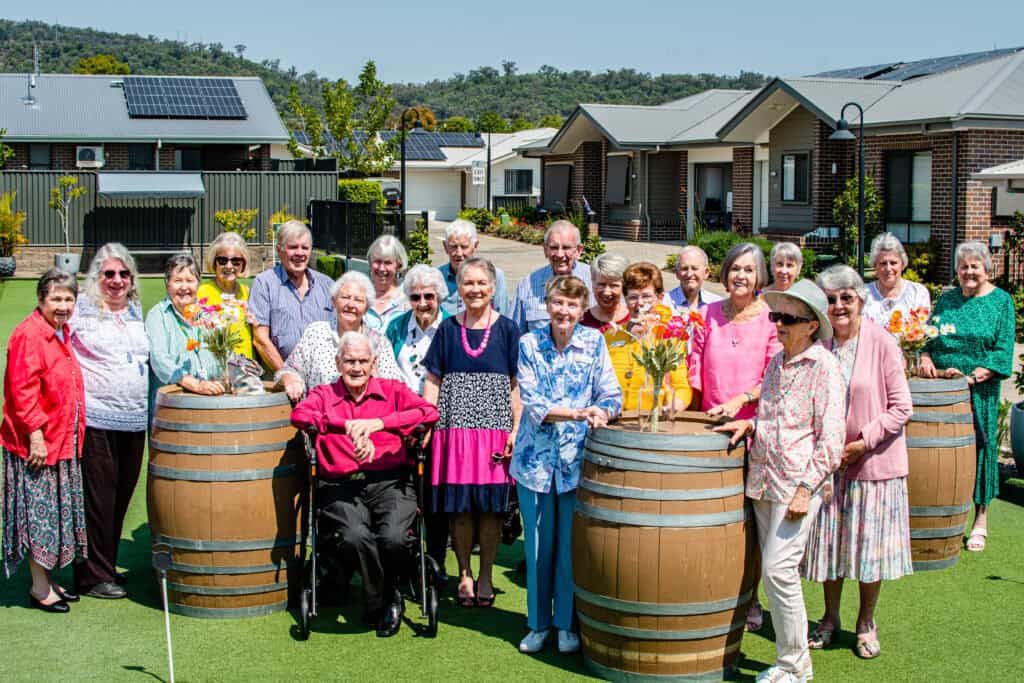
pixel 579 377
pixel 801 425
pixel 313 358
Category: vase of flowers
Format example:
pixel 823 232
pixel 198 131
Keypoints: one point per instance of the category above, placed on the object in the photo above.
pixel 662 337
pixel 913 332
pixel 216 321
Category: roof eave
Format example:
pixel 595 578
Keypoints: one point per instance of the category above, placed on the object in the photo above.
pixel 762 96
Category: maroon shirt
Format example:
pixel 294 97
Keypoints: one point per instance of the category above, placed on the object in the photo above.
pixel 329 406
pixel 588 320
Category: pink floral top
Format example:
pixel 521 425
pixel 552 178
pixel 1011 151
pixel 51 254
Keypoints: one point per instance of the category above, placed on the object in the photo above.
pixel 801 425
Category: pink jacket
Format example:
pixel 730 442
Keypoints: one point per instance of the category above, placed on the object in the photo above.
pixel 879 406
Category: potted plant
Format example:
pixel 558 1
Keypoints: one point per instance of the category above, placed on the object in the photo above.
pixel 62 196
pixel 11 236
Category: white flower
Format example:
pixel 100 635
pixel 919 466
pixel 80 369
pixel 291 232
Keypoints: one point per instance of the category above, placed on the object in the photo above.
pixel 931 332
pixel 948 328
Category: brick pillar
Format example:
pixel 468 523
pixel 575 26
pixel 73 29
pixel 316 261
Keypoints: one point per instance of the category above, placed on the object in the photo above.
pixel 742 189
pixel 602 210
pixel 684 179
pixel 586 177
pixel 826 185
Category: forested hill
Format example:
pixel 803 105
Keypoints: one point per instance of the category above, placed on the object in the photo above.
pixel 485 89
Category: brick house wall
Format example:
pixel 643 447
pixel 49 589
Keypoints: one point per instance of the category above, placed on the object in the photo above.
pixel 684 180
pixel 587 176
pixel 826 185
pixel 115 155
pixel 742 189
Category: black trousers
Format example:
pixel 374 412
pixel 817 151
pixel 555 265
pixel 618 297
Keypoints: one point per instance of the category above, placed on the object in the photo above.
pixel 111 461
pixel 369 520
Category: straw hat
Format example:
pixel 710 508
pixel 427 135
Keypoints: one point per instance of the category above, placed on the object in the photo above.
pixel 809 293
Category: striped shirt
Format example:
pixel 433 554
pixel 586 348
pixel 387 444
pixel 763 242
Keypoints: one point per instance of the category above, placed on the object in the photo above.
pixel 274 301
pixel 529 311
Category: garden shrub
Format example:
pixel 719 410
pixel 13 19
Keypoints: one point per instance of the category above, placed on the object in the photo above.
pixel 592 248
pixel 331 265
pixel 481 218
pixel 417 244
pixel 237 220
pixel 361 191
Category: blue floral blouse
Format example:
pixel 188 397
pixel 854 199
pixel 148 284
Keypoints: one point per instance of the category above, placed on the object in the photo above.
pixel 578 377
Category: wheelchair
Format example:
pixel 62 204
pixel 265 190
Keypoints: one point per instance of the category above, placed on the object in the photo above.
pixel 420 582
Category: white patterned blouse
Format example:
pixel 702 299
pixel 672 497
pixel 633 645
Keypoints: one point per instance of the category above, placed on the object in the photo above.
pixel 313 358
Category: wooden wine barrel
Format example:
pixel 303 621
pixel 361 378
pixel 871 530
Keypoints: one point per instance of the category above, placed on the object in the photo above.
pixel 664 552
pixel 943 465
pixel 225 475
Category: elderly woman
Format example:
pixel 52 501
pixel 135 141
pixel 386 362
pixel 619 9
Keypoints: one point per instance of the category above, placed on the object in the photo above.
pixel 411 332
pixel 981 350
pixel 610 310
pixel 786 260
pixel 567 385
pixel 313 360
pixel 42 433
pixel 863 533
pixel 109 339
pixel 176 353
pixel 388 260
pixel 890 292
pixel 797 444
pixel 228 260
pixel 471 378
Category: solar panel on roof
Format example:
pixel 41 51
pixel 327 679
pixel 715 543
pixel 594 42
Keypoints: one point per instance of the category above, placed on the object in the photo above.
pixel 182 98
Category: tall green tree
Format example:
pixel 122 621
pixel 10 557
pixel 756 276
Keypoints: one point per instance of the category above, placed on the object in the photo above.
pixel 102 64
pixel 492 122
pixel 520 123
pixel 550 121
pixel 457 124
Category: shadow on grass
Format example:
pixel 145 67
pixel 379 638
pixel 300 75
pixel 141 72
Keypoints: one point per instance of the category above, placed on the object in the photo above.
pixel 143 670
pixel 993 577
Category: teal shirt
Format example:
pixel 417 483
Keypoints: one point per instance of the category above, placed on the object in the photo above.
pixel 169 357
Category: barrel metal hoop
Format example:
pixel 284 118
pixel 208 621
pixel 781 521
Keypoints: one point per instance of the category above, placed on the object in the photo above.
pixel 227 546
pixel 222 475
pixel 712 441
pixel 661 609
pixel 940 399
pixel 227 612
pixel 659 494
pixel 207 570
pixel 646 519
pixel 931 386
pixel 172 426
pixel 939 510
pixel 943 532
pixel 243 449
pixel 619 676
pixel 232 402
pixel 930 565
pixel 227 590
pixel 709 464
pixel 941 441
pixel 647 634
pixel 637 466
pixel 943 418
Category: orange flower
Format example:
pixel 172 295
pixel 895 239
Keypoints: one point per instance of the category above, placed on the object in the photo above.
pixel 696 319
pixel 192 344
pixel 663 312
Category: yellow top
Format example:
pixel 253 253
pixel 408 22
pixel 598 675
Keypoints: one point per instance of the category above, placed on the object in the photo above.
pixel 631 375
pixel 210 292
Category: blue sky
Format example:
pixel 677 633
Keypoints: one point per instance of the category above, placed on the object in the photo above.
pixel 418 41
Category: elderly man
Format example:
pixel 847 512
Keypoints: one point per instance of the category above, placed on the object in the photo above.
pixel 460 242
pixel 562 248
pixel 290 296
pixel 692 270
pixel 366 491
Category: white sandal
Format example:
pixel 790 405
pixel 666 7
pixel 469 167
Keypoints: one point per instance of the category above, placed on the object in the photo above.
pixel 976 541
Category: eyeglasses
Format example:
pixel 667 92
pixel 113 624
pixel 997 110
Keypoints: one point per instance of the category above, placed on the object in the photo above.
pixel 846 299
pixel 125 274
pixel 236 261
pixel 646 298
pixel 788 319
pixel 426 296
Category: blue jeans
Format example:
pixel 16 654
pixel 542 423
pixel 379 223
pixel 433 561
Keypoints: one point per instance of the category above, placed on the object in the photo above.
pixel 547 527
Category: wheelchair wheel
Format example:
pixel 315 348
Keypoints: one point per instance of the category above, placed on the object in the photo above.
pixel 431 601
pixel 305 607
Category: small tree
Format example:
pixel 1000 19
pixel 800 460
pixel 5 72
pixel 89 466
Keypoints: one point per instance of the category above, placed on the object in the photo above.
pixel 491 122
pixel 62 196
pixel 102 64
pixel 6 152
pixel 844 213
pixel 237 220
pixel 11 236
pixel 550 121
pixel 426 117
pixel 457 124
pixel 520 123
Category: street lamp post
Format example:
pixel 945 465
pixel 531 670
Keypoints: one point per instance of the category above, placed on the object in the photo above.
pixel 489 192
pixel 416 124
pixel 843 133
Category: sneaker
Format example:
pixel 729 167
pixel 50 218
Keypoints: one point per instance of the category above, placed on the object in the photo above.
pixel 774 674
pixel 568 642
pixel 533 642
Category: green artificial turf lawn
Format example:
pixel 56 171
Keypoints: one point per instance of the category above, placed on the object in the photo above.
pixel 953 625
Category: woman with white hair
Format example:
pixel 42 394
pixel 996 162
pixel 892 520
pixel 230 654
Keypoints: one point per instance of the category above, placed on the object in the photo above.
pixel 981 350
pixel 786 261
pixel 108 336
pixel 411 332
pixel 228 260
pixel 313 360
pixel 388 260
pixel 890 292
pixel 610 309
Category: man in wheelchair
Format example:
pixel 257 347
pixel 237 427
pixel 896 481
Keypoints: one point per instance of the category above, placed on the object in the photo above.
pixel 366 488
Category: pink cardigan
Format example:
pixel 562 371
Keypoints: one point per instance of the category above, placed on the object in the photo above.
pixel 879 406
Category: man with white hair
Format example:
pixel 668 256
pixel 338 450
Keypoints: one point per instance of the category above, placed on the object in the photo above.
pixel 288 297
pixel 692 270
pixel 460 243
pixel 562 248
pixel 366 487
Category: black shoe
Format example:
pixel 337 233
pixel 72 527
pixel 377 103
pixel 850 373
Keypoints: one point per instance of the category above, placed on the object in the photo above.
pixel 391 620
pixel 108 590
pixel 66 594
pixel 59 607
pixel 371 617
pixel 120 579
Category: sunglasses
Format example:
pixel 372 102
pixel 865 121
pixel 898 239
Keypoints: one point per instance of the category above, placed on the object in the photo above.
pixel 847 299
pixel 236 261
pixel 427 296
pixel 125 274
pixel 788 319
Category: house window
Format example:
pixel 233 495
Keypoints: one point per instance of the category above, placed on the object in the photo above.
pixel 188 159
pixel 141 158
pixel 1015 185
pixel 619 176
pixel 518 181
pixel 908 195
pixel 39 157
pixel 796 177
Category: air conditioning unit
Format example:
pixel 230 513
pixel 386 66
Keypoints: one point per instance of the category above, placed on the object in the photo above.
pixel 89 157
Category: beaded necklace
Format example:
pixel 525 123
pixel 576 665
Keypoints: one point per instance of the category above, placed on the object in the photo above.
pixel 475 353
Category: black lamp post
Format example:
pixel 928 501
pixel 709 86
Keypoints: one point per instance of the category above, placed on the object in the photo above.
pixel 488 171
pixel 416 125
pixel 843 133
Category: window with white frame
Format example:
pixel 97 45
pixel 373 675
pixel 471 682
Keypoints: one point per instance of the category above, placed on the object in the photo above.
pixel 908 195
pixel 519 181
pixel 796 177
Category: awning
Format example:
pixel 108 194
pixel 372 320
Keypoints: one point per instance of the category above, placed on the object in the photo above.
pixel 160 185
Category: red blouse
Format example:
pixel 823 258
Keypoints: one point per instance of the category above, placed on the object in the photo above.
pixel 42 389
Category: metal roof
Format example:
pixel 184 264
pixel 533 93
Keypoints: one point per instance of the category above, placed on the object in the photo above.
pixel 160 184
pixel 904 71
pixel 77 108
pixel 1011 171
pixel 420 145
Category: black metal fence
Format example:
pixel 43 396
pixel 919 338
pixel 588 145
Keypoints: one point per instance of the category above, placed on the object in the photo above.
pixel 349 228
pixel 512 202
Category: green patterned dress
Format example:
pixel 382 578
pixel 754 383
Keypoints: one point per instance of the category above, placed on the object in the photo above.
pixel 985 331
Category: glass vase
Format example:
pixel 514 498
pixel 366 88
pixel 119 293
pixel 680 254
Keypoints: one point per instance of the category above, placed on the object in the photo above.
pixel 649 408
pixel 912 362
